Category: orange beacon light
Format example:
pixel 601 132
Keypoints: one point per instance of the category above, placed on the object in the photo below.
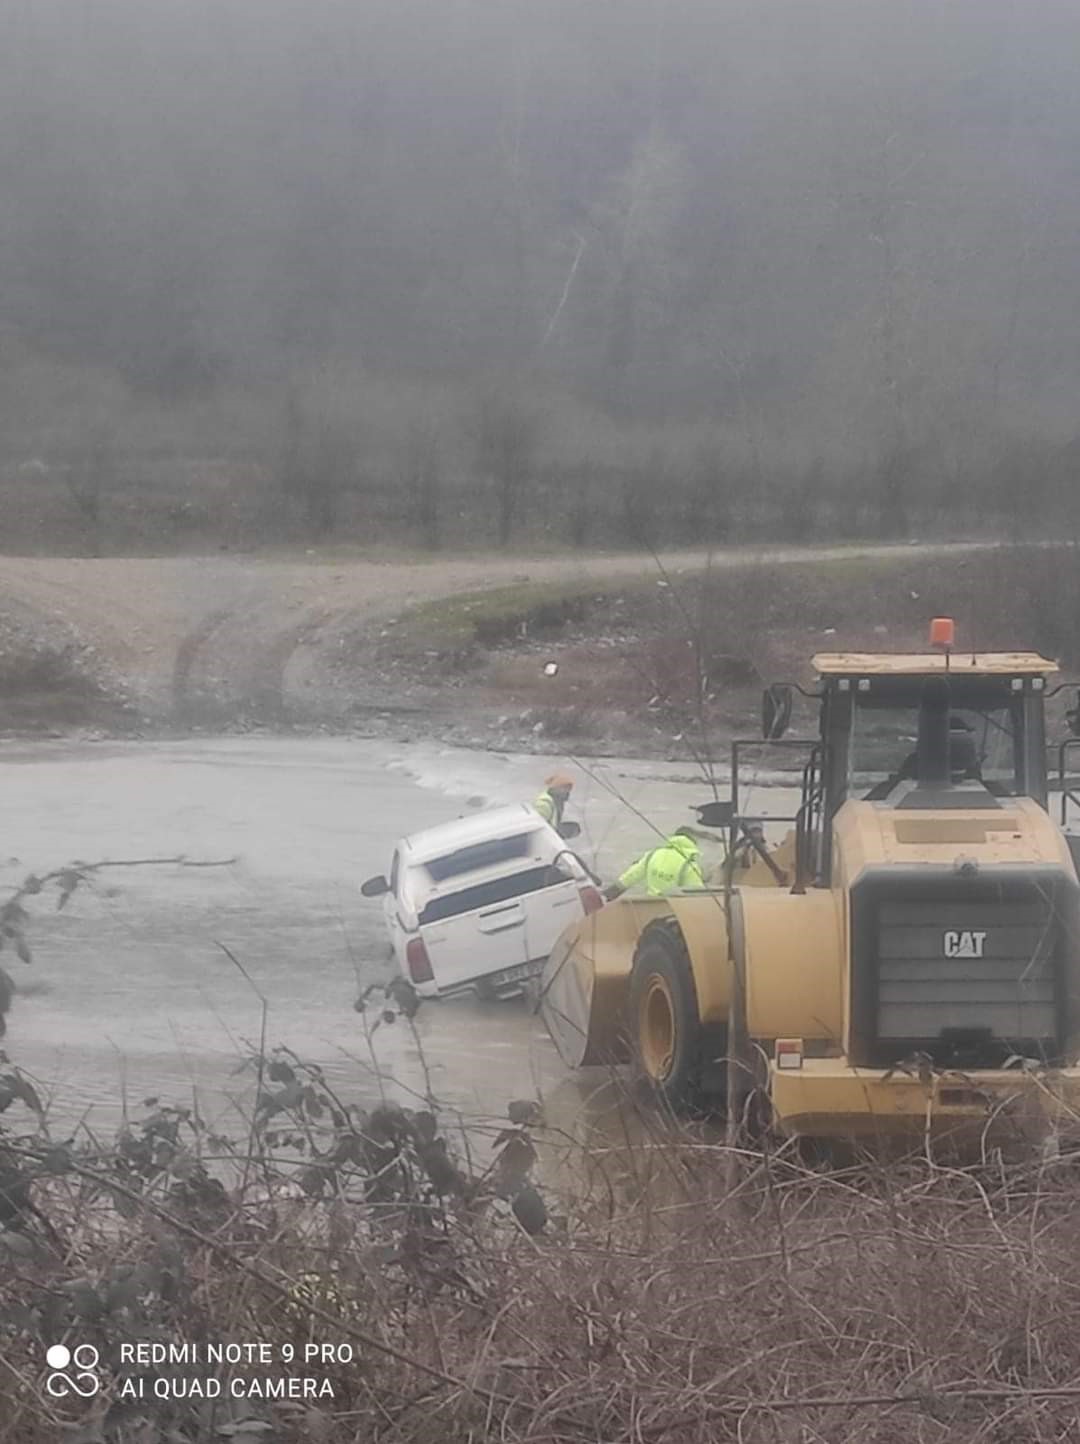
pixel 942 633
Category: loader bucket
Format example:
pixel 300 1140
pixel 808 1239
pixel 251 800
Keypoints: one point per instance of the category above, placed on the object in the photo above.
pixel 585 982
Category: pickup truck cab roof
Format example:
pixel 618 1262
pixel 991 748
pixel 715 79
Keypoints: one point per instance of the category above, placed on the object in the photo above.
pixel 487 826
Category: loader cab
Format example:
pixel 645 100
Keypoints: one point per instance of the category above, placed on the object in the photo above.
pixel 995 735
pixel 921 732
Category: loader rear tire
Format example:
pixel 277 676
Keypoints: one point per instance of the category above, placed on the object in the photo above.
pixel 668 1045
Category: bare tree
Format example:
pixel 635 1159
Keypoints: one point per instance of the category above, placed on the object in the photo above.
pixel 581 504
pixel 640 227
pixel 507 432
pixel 643 484
pixel 318 452
pixel 709 497
pixel 422 479
pixel 88 475
pixel 330 471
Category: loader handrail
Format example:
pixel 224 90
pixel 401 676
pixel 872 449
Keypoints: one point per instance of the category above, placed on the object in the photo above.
pixel 811 788
pixel 813 796
pixel 1067 793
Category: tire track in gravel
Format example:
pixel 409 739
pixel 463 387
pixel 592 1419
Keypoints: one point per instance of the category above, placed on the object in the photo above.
pixel 233 664
pixel 272 690
pixel 255 687
pixel 189 704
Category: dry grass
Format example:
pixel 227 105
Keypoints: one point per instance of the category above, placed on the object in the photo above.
pixel 723 630
pixel 658 1303
pixel 647 663
pixel 43 687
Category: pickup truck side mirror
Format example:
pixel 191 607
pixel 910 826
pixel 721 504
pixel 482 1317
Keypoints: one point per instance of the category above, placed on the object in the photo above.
pixel 569 830
pixel 775 711
pixel 375 886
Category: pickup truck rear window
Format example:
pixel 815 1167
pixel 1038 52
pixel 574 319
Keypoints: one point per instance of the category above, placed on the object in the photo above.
pixel 471 899
pixel 480 855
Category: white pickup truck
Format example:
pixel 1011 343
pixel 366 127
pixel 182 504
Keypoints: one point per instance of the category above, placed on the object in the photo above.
pixel 478 903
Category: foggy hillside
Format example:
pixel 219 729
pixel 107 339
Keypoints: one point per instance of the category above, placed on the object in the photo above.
pixel 777 252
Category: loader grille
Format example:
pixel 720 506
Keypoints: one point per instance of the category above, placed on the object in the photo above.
pixel 973 965
pixel 969 974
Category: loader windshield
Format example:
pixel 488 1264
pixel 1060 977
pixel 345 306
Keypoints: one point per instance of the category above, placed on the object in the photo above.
pixel 983 747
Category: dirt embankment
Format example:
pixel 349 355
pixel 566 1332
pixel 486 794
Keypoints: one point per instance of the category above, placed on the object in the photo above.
pixel 587 653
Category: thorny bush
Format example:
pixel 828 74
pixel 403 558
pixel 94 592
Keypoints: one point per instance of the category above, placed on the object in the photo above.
pixel 916 1302
pixel 664 1302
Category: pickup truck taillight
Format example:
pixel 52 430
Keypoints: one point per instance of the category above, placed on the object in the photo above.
pixel 418 961
pixel 591 900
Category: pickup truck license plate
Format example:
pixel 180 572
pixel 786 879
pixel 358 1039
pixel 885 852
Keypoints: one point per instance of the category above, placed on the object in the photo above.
pixel 512 975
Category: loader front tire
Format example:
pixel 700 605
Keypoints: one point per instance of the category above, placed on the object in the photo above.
pixel 667 1042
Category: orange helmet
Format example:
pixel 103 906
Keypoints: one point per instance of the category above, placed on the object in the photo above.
pixel 560 779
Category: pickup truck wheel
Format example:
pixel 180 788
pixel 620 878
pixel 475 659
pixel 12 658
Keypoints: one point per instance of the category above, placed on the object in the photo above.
pixel 667 1041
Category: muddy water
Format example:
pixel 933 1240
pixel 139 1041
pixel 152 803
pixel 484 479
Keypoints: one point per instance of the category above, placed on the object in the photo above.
pixel 134 995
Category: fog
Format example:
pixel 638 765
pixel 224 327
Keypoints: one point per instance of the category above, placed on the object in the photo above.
pixel 816 249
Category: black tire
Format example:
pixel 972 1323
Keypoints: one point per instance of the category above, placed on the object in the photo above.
pixel 672 1053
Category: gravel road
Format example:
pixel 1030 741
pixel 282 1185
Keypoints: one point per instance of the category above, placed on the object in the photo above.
pixel 183 636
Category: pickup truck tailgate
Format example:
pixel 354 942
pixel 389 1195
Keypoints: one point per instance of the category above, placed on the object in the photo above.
pixel 485 940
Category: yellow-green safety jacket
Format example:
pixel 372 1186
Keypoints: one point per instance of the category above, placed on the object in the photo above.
pixel 675 864
pixel 549 808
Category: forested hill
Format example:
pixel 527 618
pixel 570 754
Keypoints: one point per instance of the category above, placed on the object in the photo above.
pixel 837 237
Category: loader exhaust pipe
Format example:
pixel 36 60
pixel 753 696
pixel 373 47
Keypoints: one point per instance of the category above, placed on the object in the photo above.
pixel 932 751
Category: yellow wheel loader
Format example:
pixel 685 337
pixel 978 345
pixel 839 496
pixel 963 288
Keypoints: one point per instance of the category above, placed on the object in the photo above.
pixel 907 961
